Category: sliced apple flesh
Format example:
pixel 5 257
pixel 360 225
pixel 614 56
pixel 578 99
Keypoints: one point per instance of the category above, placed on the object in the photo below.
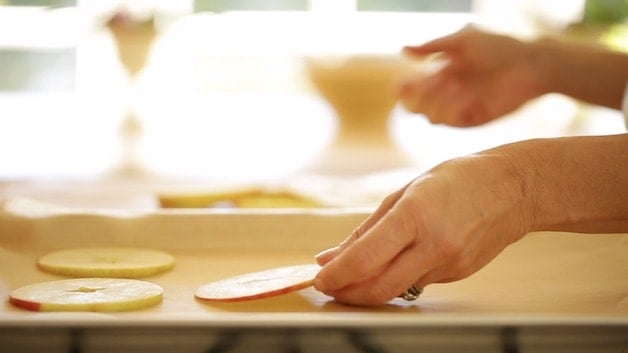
pixel 259 285
pixel 119 262
pixel 87 294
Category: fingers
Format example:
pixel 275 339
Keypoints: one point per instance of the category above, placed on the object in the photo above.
pixel 442 97
pixel 429 95
pixel 421 264
pixel 388 202
pixel 418 264
pixel 327 255
pixel 459 93
pixel 395 278
pixel 369 255
pixel 450 43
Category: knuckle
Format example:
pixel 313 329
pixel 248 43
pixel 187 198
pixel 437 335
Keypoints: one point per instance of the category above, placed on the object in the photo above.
pixel 390 199
pixel 412 220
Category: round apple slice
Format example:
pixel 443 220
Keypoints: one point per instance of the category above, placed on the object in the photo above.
pixel 87 294
pixel 259 285
pixel 106 262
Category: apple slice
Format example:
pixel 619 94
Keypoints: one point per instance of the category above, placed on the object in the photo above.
pixel 106 262
pixel 87 294
pixel 258 285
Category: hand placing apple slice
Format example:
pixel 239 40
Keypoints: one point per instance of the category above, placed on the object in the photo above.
pixel 258 285
pixel 106 262
pixel 87 294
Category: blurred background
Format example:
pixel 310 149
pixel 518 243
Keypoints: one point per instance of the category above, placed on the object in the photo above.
pixel 212 90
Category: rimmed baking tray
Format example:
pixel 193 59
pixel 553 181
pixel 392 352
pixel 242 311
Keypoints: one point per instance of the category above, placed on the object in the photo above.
pixel 545 280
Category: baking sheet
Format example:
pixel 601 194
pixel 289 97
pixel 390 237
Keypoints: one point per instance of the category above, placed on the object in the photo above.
pixel 545 279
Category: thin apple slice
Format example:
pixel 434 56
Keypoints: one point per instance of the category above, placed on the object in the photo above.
pixel 258 285
pixel 106 262
pixel 87 294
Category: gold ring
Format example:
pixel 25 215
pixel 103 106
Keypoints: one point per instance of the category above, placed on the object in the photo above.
pixel 411 293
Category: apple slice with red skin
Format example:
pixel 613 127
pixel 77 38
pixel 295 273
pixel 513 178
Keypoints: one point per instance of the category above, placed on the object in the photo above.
pixel 87 294
pixel 259 285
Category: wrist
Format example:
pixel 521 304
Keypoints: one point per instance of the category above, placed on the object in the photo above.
pixel 573 183
pixel 547 58
pixel 518 166
pixel 589 73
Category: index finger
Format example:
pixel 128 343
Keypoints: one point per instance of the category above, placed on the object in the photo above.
pixel 370 254
pixel 449 43
pixel 327 255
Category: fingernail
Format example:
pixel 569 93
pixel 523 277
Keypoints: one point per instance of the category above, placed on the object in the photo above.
pixel 327 255
pixel 410 50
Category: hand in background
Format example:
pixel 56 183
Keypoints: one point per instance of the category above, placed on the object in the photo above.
pixel 484 77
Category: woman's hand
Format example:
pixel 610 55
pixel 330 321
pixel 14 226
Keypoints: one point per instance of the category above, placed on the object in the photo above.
pixel 484 77
pixel 451 221
pixel 443 226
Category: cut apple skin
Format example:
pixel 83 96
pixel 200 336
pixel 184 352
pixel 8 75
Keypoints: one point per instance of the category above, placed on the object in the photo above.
pixel 259 285
pixel 119 262
pixel 87 294
pixel 25 304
